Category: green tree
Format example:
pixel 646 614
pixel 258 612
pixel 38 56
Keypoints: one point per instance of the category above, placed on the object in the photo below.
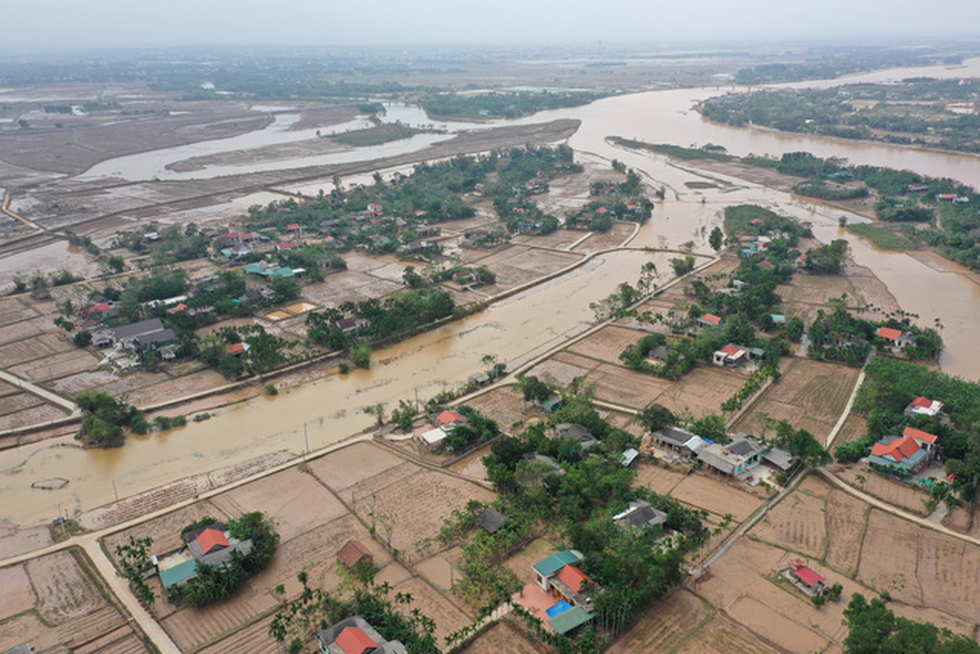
pixel 655 417
pixel 716 238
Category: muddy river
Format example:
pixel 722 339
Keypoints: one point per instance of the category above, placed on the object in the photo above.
pixel 515 329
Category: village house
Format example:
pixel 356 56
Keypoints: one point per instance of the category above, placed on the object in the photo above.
pixel 895 337
pixel 805 578
pixel 571 432
pixel 352 325
pixel 466 277
pixel 923 406
pixel 779 459
pixel 630 455
pixel 431 436
pixel 237 349
pixel 142 334
pixel 560 578
pixel 731 355
pixel 709 320
pixel 639 516
pixel 552 403
pixel 356 636
pixel 736 458
pixel 538 468
pixel 257 295
pixel 212 545
pixel 448 420
pixel 676 439
pixel 908 453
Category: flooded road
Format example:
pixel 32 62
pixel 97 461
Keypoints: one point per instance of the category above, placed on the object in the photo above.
pixel 516 329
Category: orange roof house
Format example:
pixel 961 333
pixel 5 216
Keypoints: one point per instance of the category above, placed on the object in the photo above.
pixel 448 417
pixel 919 436
pixel 902 453
pixel 889 334
pixel 710 319
pixel 212 539
pixel 573 577
pixel 354 640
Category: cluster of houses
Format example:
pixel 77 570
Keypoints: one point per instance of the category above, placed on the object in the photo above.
pixel 914 449
pixel 212 545
pixel 739 458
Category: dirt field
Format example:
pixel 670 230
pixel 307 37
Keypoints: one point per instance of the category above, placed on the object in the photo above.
pixel 504 637
pixel 54 603
pixel 719 497
pixel 519 264
pixel 701 391
pixel 892 491
pixel 607 343
pixel 810 394
pixel 667 626
pixel 657 478
pixel 505 405
pixel 854 427
pixel 604 241
pixel 313 524
pixel 797 524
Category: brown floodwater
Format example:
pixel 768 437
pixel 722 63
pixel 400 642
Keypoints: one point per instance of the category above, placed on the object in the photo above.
pixel 522 326
pixel 516 330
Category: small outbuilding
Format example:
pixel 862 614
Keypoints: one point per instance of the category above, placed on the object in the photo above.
pixel 492 520
pixel 353 552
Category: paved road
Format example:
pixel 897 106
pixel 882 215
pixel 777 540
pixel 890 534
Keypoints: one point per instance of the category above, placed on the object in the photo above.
pixel 44 394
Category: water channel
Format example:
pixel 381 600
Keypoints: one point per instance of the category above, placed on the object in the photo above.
pixel 516 329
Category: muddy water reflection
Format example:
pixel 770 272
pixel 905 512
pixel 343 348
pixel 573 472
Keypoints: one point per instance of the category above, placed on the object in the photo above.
pixel 332 408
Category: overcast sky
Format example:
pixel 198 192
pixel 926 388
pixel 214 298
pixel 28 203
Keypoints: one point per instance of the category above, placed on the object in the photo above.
pixel 67 23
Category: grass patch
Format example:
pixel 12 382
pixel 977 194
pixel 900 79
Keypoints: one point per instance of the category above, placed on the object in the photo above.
pixel 697 185
pixel 881 237
pixel 375 135
pixel 72 527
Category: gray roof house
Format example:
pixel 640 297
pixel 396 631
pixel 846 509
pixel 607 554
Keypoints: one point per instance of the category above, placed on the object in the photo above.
pixel 640 515
pixel 735 458
pixel 145 332
pixel 680 440
pixel 571 432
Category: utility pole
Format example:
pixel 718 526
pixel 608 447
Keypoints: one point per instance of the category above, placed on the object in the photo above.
pixel 115 491
pixel 306 439
pixel 61 519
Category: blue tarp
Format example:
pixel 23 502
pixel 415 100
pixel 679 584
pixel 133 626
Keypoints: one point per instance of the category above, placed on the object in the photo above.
pixel 558 608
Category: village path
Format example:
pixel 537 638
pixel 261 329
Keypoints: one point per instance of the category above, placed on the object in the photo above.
pixel 44 394
pixel 120 588
pixel 5 207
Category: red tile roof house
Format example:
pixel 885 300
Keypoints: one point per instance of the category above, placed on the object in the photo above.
pixel 895 337
pixel 356 636
pixel 805 578
pixel 710 320
pixel 449 419
pixel 908 453
pixel 730 355
pixel 923 406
